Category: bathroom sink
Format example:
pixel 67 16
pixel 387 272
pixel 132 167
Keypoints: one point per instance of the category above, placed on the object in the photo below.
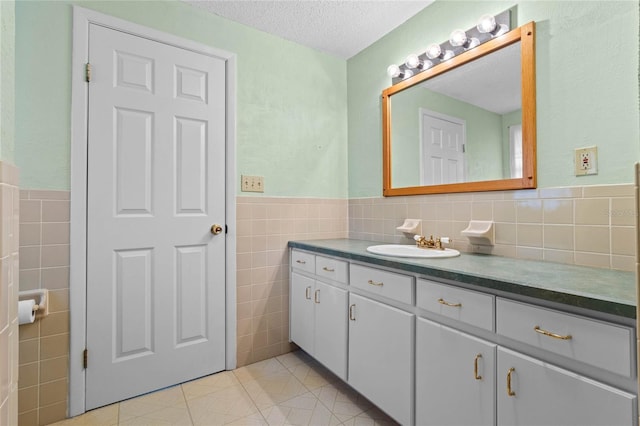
pixel 402 250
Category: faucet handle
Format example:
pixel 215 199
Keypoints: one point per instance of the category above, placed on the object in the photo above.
pixel 445 240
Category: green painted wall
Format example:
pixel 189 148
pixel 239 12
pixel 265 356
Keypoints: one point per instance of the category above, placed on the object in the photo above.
pixel 587 85
pixel 7 78
pixel 292 101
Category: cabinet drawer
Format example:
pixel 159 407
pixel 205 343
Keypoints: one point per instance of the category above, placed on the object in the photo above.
pixel 460 304
pixel 388 284
pixel 333 269
pixel 603 345
pixel 303 261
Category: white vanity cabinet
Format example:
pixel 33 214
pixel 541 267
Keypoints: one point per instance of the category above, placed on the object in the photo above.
pixel 455 372
pixel 536 393
pixel 381 355
pixel 432 351
pixel 455 377
pixel 318 319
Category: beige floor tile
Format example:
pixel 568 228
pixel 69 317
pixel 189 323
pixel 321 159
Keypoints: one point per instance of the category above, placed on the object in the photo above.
pixel 372 417
pixel 251 420
pixel 259 369
pixel 342 401
pixel 209 384
pixel 303 410
pixel 274 388
pixel 293 359
pixel 221 407
pixel 107 416
pixel 152 402
pixel 177 416
pixel 313 375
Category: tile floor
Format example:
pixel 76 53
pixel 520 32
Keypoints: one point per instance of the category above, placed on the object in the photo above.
pixel 291 389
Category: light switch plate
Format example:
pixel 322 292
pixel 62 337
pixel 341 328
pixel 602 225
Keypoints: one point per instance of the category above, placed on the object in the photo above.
pixel 252 183
pixel 586 161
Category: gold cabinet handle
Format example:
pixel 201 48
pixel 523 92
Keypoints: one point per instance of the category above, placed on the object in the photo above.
pixel 307 293
pixel 316 296
pixel 302 262
pixel 328 269
pixel 550 334
pixel 352 315
pixel 216 229
pixel 510 392
pixel 372 282
pixel 445 303
pixel 475 367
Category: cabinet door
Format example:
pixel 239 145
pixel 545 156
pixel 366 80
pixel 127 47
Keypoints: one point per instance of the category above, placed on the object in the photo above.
pixel 381 356
pixel 543 394
pixel 455 377
pixel 301 315
pixel 331 328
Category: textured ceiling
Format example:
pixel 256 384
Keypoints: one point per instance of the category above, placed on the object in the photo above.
pixel 340 28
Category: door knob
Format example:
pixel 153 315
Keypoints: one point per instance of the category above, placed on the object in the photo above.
pixel 216 229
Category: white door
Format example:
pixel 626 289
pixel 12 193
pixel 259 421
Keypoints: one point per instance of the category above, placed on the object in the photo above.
pixel 156 184
pixel 442 148
pixel 455 377
pixel 381 356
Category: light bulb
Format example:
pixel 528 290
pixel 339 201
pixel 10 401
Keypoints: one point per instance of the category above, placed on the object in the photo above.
pixel 486 24
pixel 426 65
pixel 412 61
pixel 407 74
pixel 433 51
pixel 458 38
pixel 393 71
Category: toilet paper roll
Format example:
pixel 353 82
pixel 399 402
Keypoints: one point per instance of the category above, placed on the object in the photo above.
pixel 26 314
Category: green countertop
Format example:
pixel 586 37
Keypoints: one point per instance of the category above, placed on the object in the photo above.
pixel 604 290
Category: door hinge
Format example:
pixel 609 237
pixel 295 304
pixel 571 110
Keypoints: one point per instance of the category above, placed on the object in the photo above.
pixel 85 358
pixel 464 148
pixel 226 229
pixel 88 72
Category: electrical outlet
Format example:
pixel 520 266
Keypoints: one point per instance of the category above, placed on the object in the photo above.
pixel 586 161
pixel 252 183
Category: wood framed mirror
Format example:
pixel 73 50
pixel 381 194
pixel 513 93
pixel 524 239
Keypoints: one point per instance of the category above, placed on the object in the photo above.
pixel 467 124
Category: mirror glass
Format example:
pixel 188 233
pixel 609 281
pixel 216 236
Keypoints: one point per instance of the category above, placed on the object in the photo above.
pixel 462 129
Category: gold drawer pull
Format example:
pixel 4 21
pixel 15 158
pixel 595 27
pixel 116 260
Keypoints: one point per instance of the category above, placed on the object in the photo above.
pixel 307 293
pixel 352 315
pixel 453 305
pixel 316 296
pixel 372 282
pixel 475 367
pixel 328 269
pixel 302 262
pixel 510 392
pixel 550 334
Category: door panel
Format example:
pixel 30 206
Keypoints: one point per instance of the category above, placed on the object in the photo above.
pixel 442 146
pixel 156 184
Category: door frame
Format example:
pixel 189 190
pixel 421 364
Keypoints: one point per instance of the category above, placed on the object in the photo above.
pixel 440 116
pixel 82 18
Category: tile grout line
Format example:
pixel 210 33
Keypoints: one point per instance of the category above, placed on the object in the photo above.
pixel 186 403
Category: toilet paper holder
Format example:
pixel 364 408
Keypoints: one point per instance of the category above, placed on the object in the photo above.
pixel 41 297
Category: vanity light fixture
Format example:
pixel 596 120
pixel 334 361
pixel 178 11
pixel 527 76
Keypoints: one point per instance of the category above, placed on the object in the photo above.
pixel 395 71
pixel 458 38
pixel 413 61
pixel 434 51
pixel 488 27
